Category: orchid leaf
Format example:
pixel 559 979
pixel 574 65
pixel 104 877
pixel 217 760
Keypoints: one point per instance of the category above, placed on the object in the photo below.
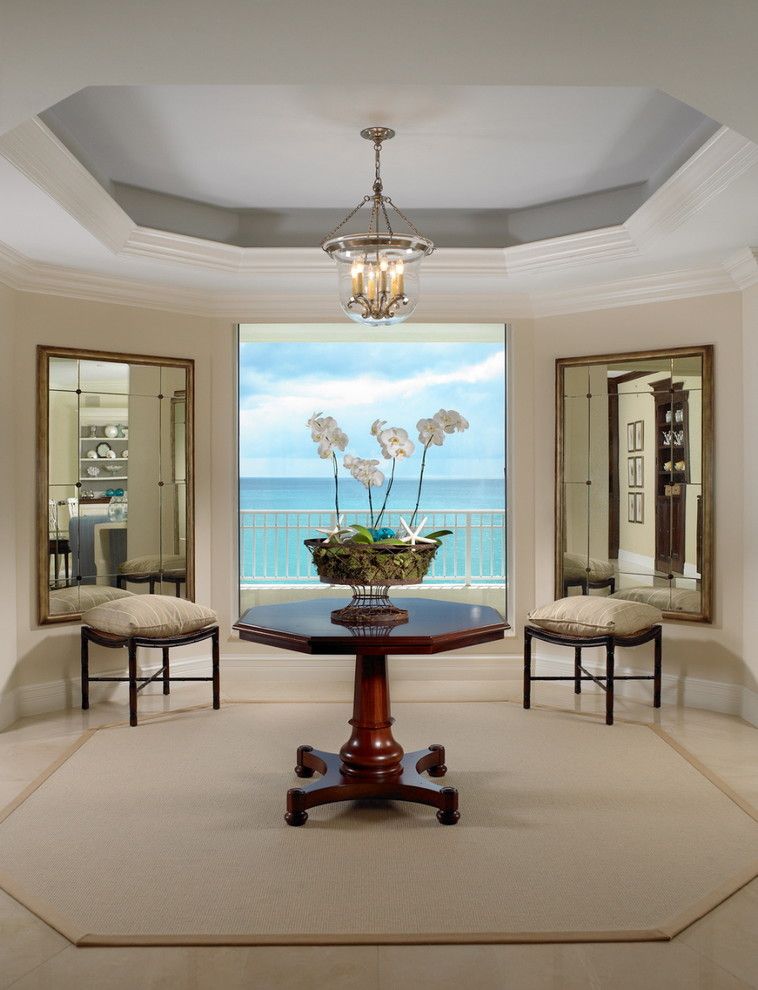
pixel 438 533
pixel 361 531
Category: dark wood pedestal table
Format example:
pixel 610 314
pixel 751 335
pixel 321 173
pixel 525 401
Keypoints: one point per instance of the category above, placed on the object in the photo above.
pixel 372 763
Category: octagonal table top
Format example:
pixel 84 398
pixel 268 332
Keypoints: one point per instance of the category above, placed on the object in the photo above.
pixel 433 626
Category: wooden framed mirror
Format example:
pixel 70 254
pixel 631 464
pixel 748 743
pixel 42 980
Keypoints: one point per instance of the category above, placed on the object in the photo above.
pixel 634 478
pixel 115 497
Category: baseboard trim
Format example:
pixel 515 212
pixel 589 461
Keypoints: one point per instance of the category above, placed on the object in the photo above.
pixel 414 678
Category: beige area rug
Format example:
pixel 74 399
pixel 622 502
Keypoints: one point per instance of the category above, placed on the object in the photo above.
pixel 570 830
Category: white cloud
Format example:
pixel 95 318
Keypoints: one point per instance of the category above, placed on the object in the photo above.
pixel 275 399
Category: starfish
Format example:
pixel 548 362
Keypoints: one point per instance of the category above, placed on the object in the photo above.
pixel 335 530
pixel 413 536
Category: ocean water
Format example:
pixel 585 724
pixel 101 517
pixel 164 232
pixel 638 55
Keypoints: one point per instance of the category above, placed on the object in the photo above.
pixel 318 493
pixel 283 512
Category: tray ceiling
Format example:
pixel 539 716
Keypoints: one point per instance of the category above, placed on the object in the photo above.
pixel 481 166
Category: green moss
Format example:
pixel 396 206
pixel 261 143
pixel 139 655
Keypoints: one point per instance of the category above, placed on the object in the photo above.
pixel 377 563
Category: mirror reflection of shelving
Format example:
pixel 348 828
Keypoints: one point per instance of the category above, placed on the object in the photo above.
pixel 104 433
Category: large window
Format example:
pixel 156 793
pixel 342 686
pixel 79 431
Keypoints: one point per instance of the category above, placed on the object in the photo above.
pixel 401 375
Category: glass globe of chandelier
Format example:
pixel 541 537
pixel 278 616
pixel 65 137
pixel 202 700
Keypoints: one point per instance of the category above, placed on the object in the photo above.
pixel 378 271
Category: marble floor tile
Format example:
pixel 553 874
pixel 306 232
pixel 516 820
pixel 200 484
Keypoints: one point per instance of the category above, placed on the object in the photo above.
pixel 655 966
pixel 25 941
pixel 161 968
pixel 729 935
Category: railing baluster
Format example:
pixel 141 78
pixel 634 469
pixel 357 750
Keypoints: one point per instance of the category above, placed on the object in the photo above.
pixel 272 551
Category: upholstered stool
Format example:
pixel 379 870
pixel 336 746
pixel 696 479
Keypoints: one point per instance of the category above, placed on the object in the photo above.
pixel 583 620
pixel 152 570
pixel 153 621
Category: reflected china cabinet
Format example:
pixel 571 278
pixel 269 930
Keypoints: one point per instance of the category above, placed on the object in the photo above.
pixel 634 478
pixel 115 456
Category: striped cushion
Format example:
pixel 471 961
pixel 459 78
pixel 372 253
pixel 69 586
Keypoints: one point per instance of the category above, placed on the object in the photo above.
pixel 589 615
pixel 575 567
pixel 154 564
pixel 149 615
pixel 668 599
pixel 71 601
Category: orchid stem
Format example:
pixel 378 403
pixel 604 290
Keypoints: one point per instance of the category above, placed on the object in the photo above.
pixel 370 505
pixel 336 488
pixel 387 493
pixel 420 480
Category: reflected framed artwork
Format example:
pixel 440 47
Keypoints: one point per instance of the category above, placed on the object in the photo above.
pixel 639 507
pixel 639 435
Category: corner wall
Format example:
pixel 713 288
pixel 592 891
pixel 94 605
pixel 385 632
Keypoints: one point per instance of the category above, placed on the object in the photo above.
pixel 47 657
pixel 750 481
pixel 43 662
pixel 708 652
pixel 8 423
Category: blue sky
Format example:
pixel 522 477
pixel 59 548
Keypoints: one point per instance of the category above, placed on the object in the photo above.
pixel 281 384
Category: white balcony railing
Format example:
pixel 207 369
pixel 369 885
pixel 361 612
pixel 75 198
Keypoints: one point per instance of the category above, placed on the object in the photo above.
pixel 272 549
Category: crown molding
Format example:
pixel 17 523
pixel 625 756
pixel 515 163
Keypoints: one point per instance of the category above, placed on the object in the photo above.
pixel 742 266
pixel 38 154
pixel 314 304
pixel 714 166
pixel 634 291
pixel 559 253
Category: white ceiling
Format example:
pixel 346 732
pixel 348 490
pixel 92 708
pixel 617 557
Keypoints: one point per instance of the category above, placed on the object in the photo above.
pixel 696 239
pixel 474 147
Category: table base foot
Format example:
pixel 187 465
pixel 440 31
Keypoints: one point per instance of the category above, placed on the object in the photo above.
pixel 407 784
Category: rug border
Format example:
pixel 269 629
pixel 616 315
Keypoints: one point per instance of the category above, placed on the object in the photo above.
pixel 663 933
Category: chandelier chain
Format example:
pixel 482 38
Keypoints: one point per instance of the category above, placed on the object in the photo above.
pixel 344 220
pixel 411 224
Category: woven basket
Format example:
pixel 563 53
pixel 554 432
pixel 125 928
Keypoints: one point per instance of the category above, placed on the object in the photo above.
pixel 371 564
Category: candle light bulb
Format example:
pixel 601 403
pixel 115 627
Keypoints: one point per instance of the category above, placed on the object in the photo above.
pixel 399 288
pixel 356 273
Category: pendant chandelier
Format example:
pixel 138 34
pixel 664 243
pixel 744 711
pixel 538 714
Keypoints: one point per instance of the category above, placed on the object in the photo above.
pixel 378 272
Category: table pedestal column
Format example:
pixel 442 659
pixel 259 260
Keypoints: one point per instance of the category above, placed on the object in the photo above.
pixel 371 764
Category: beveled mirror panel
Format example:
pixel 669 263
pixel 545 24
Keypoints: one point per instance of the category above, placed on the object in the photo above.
pixel 114 477
pixel 634 452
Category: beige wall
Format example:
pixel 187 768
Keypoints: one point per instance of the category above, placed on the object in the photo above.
pixel 750 528
pixel 50 653
pixel 711 652
pixel 8 421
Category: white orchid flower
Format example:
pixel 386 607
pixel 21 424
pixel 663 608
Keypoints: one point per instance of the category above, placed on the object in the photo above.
pixel 403 450
pixel 430 431
pixel 377 426
pixel 325 448
pixel 322 428
pixel 451 421
pixel 337 438
pixel 395 443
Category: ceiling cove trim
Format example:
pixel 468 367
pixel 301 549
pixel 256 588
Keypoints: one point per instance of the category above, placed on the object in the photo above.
pixel 264 304
pixel 743 267
pixel 635 291
pixel 38 154
pixel 35 151
pixel 713 167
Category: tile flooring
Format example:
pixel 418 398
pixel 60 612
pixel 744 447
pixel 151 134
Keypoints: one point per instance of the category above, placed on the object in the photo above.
pixel 719 952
